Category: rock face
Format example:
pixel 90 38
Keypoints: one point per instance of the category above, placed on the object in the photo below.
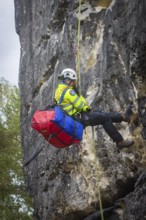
pixel 64 183
pixel 137 199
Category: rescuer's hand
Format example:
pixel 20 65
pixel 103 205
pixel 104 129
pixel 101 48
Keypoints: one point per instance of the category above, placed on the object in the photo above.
pixel 88 109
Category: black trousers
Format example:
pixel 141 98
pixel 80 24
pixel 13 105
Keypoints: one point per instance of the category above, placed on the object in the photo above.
pixel 94 118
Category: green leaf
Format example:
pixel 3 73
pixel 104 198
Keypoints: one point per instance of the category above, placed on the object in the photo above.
pixel 14 201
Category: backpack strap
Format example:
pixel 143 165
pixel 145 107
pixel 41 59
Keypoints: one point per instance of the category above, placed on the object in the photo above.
pixel 62 95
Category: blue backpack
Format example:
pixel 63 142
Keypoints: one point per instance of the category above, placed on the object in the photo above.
pixel 69 125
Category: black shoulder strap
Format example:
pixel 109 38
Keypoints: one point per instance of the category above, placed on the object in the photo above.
pixel 62 95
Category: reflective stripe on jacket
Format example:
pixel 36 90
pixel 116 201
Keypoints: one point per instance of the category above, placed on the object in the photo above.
pixel 72 103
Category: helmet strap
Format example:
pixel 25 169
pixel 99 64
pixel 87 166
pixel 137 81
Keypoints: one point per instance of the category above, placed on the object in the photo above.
pixel 64 81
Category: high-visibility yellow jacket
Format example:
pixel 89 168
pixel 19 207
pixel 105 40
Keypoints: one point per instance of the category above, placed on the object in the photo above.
pixel 71 103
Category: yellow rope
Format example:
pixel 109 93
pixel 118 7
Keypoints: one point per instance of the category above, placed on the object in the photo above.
pixel 96 170
pixel 79 86
pixel 78 47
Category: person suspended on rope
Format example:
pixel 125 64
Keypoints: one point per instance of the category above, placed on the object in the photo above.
pixel 77 107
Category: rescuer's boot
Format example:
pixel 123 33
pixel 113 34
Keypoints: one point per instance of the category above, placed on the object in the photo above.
pixel 128 114
pixel 124 143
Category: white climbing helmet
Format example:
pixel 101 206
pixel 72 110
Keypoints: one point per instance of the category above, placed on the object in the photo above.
pixel 68 73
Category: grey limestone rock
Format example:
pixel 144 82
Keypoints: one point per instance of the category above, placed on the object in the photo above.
pixel 63 182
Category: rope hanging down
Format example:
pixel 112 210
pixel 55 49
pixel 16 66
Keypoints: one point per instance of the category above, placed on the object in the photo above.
pixel 79 86
pixel 78 47
pixel 96 170
pixel 78 72
pixel 33 156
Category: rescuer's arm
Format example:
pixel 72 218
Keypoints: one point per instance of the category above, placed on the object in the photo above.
pixel 79 102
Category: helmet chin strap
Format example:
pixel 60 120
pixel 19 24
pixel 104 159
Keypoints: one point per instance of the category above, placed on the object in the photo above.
pixel 68 83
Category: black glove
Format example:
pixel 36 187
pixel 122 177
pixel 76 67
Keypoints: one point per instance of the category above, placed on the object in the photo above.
pixel 88 109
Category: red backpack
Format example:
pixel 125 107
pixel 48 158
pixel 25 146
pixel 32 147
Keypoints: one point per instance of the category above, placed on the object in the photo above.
pixel 43 122
pixel 58 129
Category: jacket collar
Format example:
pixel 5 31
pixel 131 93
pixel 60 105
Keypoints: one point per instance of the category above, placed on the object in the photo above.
pixel 66 85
